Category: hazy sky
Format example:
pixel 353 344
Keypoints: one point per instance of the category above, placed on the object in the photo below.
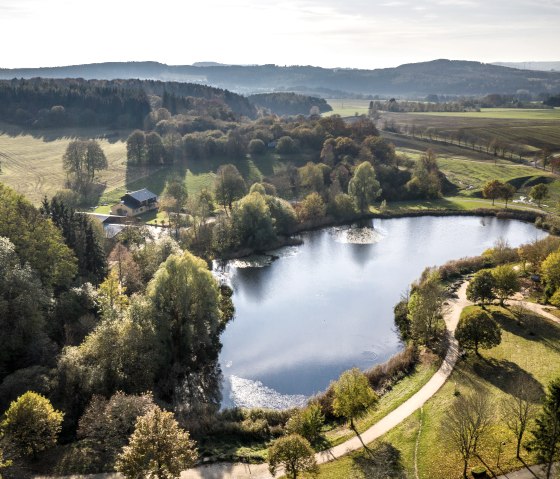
pixel 347 33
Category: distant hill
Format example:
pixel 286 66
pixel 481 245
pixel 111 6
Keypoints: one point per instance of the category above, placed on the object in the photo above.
pixel 441 77
pixel 538 66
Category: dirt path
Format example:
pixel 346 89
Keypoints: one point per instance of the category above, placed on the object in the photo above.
pixel 536 308
pixel 260 471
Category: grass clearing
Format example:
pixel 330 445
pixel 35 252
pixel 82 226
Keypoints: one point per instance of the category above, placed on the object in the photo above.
pixel 347 107
pixel 530 349
pixel 32 162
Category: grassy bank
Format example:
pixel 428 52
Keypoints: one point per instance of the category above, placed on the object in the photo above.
pixel 530 349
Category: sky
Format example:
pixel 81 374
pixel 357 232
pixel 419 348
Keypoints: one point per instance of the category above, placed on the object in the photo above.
pixel 327 33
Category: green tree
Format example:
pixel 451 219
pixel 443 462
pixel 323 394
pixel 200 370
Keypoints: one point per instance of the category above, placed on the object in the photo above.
pixel 37 240
pixel 81 160
pixel 136 147
pixel 173 201
pixel 186 304
pixel 477 329
pixel 546 441
pixel 257 147
pixel 506 282
pixel 481 287
pixel 364 187
pixel 31 424
pixel 230 185
pixel 286 145
pixel 158 448
pixel 492 190
pixel 426 308
pixel 538 193
pixel 550 269
pixel 155 150
pixel 22 306
pixel 253 222
pixel 307 422
pixel 111 296
pixel 294 454
pixel 425 181
pixel 352 397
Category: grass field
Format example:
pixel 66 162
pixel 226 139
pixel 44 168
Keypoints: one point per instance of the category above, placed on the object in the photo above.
pixel 503 114
pixel 529 349
pixel 524 128
pixel 32 164
pixel 347 107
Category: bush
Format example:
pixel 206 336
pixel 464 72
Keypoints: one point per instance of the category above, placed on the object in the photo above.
pixel 257 147
pixel 456 268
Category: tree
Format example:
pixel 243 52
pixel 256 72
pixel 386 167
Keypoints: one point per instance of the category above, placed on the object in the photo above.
pixel 173 201
pixel 492 190
pixel 425 181
pixel 294 454
pixel 136 147
pixel 507 193
pixel 311 207
pixel 111 298
pixel 519 409
pixel 352 397
pixel 476 329
pixel 107 424
pixel 426 308
pixel 364 187
pixel 307 422
pixel 506 280
pixel 550 269
pixel 230 185
pixel 158 448
pixel 465 422
pixel 81 160
pixel 311 177
pixel 257 147
pixel 546 441
pixel 538 193
pixel 31 424
pixel 22 305
pixel 186 306
pixel 481 287
pixel 155 151
pixel 253 222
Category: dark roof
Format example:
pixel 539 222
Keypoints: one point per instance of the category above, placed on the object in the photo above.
pixel 140 195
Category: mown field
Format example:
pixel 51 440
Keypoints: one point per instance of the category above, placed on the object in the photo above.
pixel 347 107
pixel 532 130
pixel 32 161
pixel 530 349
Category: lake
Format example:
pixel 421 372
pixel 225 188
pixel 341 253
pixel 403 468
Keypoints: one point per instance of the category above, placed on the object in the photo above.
pixel 327 305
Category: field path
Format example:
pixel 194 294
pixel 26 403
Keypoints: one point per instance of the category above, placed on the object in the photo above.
pixel 260 471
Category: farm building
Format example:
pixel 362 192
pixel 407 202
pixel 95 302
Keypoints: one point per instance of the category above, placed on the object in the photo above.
pixel 135 203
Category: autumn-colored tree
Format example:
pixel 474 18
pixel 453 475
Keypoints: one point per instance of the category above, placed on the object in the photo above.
pixel 492 190
pixel 538 193
pixel 31 424
pixel 158 448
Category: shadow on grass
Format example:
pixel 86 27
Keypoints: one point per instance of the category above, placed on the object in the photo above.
pixel 506 375
pixel 529 326
pixel 52 134
pixel 383 462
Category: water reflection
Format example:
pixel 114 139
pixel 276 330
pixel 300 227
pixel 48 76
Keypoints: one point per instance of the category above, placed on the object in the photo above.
pixel 326 305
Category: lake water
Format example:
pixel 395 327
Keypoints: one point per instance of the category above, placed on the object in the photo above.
pixel 327 305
